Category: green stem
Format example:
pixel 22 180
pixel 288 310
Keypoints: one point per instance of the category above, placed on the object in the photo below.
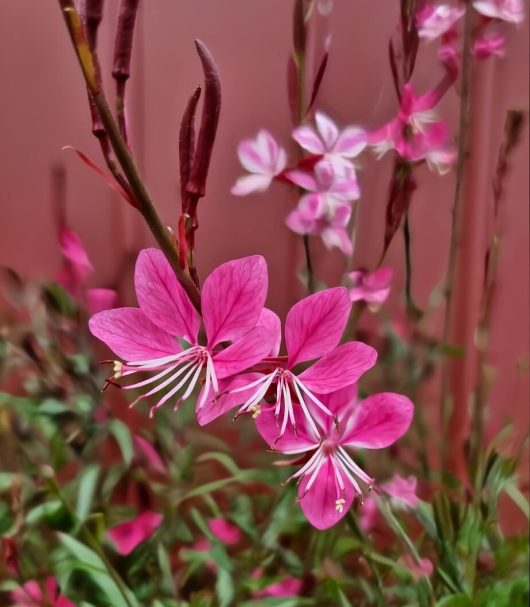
pixel 463 128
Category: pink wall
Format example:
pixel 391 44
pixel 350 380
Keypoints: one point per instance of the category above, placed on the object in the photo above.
pixel 43 107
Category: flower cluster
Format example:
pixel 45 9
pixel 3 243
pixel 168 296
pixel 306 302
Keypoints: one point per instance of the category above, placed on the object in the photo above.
pixel 304 402
pixel 326 176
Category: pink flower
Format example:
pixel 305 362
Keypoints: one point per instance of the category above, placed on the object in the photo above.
pixel 148 453
pixel 506 10
pixel 415 133
pixel 435 20
pixel 325 210
pixel 77 269
pixel 486 46
pixel 402 493
pixel 337 146
pixel 263 158
pixel 161 336
pixel 226 532
pixel 372 287
pixel 329 480
pixel 313 329
pixel 126 536
pixel 289 586
pixel 34 595
pixel 423 568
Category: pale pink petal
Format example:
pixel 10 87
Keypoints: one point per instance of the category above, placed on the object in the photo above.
pixel 249 184
pixel 149 453
pixel 217 404
pixel 351 142
pixel 315 324
pixel 302 179
pixel 299 223
pixel 337 237
pixel 507 10
pixel 232 299
pixel 300 441
pixel 306 138
pixel 131 335
pixel 379 421
pixel 74 252
pixel 272 323
pixel 162 298
pixel 328 130
pixel 126 536
pixel 311 206
pixel 327 173
pixel 252 158
pixel 403 490
pixel 225 531
pixel 98 300
pixel 248 350
pixel 339 368
pixel 319 503
pixel 423 568
pixel 434 21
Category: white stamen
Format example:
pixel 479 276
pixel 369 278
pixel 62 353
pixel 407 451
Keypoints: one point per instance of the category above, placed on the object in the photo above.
pixel 354 467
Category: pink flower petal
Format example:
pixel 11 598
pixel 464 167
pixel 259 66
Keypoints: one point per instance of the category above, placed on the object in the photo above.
pixel 253 159
pixel 289 586
pixel 507 10
pixel 233 297
pixel 162 298
pixel 98 300
pixel 306 138
pixel 302 179
pixel 337 237
pixel 243 353
pixel 131 335
pixel 423 568
pixel 328 130
pixel 403 490
pixel 75 253
pixel 339 368
pixel 225 531
pixel 250 184
pixel 218 404
pixel 315 324
pixel 268 427
pixel 379 421
pixel 150 454
pixel 351 142
pixel 319 503
pixel 126 536
pixel 272 323
pixel 299 223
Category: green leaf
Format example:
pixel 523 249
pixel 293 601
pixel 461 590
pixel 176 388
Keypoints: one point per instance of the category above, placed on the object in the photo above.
pixel 87 488
pixel 51 406
pixel 224 587
pixel 123 437
pixel 456 600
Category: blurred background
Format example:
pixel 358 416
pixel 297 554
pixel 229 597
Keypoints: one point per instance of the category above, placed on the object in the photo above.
pixel 43 107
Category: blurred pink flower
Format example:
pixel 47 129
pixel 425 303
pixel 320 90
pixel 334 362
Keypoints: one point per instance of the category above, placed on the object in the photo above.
pixel 372 287
pixel 126 536
pixel 402 493
pixel 225 531
pixel 434 20
pixel 146 450
pixel 263 158
pixel 329 478
pixel 486 46
pixel 326 140
pixel 325 211
pixel 33 595
pixel 423 568
pixel 289 586
pixel 148 337
pixel 313 329
pixel 506 10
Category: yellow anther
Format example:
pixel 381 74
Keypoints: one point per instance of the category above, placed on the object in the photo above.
pixel 118 367
pixel 339 504
pixel 256 411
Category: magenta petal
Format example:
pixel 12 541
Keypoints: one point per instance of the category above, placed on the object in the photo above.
pixel 351 142
pixel 315 324
pixel 243 353
pixel 131 335
pixel 272 323
pixel 225 531
pixel 162 298
pixel 268 427
pixel 233 297
pixel 379 421
pixel 75 253
pixel 302 179
pixel 98 300
pixel 218 404
pixel 126 536
pixel 339 368
pixel 319 503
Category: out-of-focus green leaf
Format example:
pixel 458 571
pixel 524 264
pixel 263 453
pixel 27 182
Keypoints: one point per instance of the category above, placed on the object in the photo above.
pixel 224 587
pixel 51 406
pixel 222 458
pixel 43 510
pixel 6 518
pixel 167 584
pixel 456 600
pixel 123 437
pixel 87 487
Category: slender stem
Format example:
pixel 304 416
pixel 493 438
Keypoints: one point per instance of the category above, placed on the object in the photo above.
pixel 123 155
pixel 445 403
pixel 408 261
pixel 309 265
